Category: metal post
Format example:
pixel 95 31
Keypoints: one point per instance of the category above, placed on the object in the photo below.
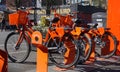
pixel 35 12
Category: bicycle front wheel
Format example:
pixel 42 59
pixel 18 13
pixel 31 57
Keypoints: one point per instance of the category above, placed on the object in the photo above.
pixel 85 45
pixel 17 52
pixel 65 54
pixel 108 45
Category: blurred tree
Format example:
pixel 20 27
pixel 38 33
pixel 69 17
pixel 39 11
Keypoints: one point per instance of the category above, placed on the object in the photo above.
pixel 50 3
pixel 99 3
pixel 13 4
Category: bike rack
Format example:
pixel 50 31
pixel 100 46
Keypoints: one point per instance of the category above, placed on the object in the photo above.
pixel 3 61
pixel 42 52
pixel 113 20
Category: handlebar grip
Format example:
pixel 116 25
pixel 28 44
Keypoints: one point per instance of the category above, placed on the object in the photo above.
pixel 95 26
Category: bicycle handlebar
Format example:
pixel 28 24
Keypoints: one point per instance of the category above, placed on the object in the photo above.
pixel 95 26
pixel 91 26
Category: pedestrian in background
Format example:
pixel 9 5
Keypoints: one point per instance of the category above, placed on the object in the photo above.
pixel 3 25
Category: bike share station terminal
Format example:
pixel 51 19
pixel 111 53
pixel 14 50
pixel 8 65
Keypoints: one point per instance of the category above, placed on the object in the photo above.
pixel 113 22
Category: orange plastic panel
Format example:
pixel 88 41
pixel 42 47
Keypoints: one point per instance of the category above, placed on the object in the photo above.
pixel 22 17
pixel 19 17
pixel 77 31
pixel 36 38
pixel 101 30
pixel 60 31
pixel 3 61
pixel 53 34
pixel 70 53
pixel 42 59
pixel 13 18
pixel 113 19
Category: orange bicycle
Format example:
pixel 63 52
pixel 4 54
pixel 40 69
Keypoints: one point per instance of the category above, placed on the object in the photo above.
pixel 18 43
pixel 61 33
pixel 63 51
pixel 83 40
pixel 105 41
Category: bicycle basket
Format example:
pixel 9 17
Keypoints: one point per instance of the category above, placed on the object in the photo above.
pixel 18 18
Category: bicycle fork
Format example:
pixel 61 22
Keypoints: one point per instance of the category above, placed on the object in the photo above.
pixel 19 41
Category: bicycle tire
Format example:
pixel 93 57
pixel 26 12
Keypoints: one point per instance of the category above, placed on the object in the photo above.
pixel 108 45
pixel 23 56
pixel 85 44
pixel 60 61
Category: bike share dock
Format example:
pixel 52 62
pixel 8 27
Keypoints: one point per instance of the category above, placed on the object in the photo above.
pixel 113 22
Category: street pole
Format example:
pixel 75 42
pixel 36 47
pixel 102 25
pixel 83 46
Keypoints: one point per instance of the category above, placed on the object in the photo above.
pixel 35 12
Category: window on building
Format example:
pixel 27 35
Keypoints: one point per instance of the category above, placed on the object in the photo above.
pixel 96 3
pixel 51 2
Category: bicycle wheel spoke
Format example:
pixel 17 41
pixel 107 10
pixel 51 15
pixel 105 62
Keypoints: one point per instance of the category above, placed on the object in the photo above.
pixel 64 51
pixel 19 52
pixel 108 45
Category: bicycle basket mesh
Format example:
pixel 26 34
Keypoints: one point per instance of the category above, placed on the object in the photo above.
pixel 18 18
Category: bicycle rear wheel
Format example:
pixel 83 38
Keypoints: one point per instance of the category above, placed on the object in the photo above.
pixel 108 45
pixel 65 54
pixel 17 53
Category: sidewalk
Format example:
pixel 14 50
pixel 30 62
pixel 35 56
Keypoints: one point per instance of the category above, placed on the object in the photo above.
pixel 108 65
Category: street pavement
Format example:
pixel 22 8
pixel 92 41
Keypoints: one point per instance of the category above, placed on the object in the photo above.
pixel 108 65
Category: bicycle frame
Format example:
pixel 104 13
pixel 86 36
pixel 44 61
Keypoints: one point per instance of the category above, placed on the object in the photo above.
pixel 59 26
pixel 97 31
pixel 106 41
pixel 25 29
pixel 24 33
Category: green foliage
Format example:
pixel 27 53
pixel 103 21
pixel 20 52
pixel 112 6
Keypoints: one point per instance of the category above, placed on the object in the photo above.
pixel 43 21
pixel 42 25
pixel 100 3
